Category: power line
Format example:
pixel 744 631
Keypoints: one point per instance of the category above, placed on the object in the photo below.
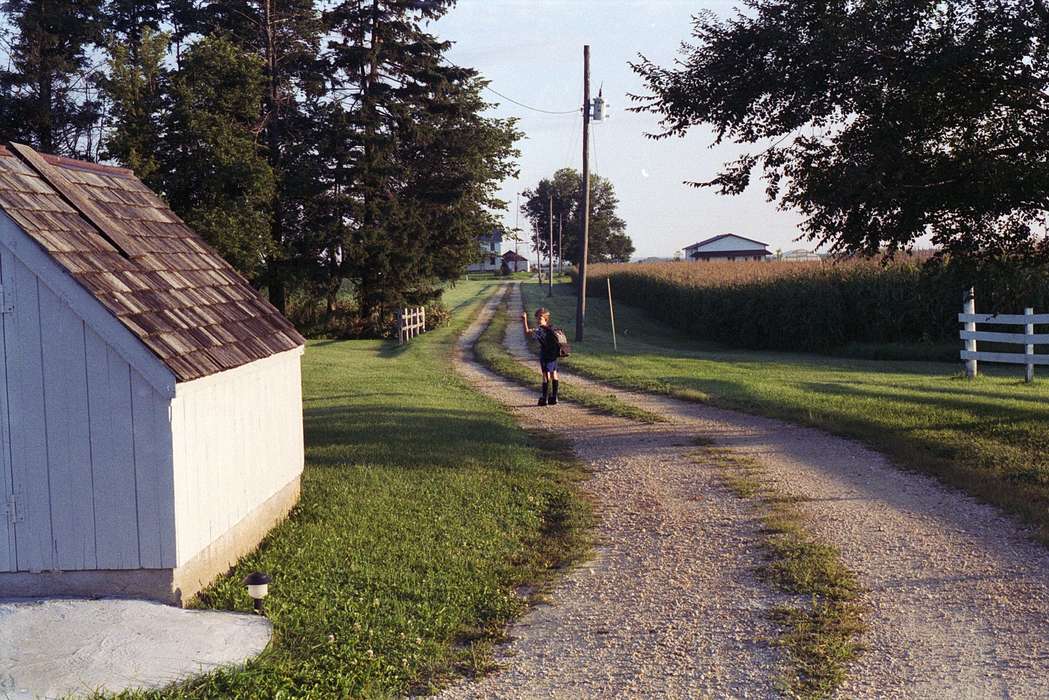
pixel 492 90
pixel 522 104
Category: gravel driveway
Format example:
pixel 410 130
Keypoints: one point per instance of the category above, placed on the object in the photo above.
pixel 957 594
pixel 670 606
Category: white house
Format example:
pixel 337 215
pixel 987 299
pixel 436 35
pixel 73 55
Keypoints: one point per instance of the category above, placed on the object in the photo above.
pixel 727 246
pixel 491 259
pixel 150 399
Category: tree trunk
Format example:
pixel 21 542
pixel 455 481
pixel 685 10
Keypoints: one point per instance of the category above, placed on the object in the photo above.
pixel 277 291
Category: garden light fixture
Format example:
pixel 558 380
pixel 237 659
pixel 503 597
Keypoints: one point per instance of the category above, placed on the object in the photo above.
pixel 258 584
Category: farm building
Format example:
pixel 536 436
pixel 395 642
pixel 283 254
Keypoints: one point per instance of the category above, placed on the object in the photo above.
pixel 150 399
pixel 515 262
pixel 800 255
pixel 490 256
pixel 727 246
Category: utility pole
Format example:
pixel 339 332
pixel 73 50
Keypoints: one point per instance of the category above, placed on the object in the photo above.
pixel 560 238
pixel 550 252
pixel 538 259
pixel 517 231
pixel 584 244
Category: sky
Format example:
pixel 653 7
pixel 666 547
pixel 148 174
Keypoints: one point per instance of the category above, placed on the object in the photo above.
pixel 532 51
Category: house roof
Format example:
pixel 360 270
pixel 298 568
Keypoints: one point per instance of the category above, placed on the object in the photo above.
pixel 115 237
pixel 724 235
pixel 512 256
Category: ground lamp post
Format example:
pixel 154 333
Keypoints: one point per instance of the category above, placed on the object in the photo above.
pixel 258 584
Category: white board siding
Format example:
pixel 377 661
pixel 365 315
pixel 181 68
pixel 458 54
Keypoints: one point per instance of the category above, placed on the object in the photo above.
pixel 68 442
pixel 25 394
pixel 237 442
pixel 90 440
pixel 7 531
pixel 112 456
pixel 154 486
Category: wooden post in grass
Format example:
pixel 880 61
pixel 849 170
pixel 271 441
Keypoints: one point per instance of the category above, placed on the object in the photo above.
pixel 1029 348
pixel 969 307
pixel 612 313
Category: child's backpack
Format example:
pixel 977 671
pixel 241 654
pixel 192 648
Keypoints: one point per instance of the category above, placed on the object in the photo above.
pixel 563 348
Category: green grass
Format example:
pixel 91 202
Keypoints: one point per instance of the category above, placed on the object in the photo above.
pixel 424 508
pixel 988 437
pixel 490 351
pixel 820 631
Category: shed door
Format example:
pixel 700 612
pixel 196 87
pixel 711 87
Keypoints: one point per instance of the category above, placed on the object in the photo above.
pixel 8 504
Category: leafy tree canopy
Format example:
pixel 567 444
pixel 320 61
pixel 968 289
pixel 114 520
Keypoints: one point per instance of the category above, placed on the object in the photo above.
pixel 608 239
pixel 888 120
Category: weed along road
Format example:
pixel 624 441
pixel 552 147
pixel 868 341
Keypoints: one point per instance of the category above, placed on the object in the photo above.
pixel 740 556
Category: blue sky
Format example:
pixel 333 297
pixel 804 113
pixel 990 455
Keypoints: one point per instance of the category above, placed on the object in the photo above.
pixel 532 51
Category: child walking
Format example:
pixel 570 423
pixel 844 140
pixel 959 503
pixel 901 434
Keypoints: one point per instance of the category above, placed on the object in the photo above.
pixel 549 351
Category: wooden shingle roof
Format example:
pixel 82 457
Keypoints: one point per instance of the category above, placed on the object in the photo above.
pixel 134 255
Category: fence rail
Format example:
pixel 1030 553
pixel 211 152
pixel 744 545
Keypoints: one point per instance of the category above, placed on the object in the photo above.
pixel 410 323
pixel 1029 339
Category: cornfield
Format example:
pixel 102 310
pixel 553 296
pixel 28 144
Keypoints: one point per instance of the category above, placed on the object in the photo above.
pixel 816 306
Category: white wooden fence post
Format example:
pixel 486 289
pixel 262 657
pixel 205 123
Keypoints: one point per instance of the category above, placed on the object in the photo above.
pixel 1029 348
pixel 969 307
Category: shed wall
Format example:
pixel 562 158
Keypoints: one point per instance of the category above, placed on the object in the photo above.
pixel 89 445
pixel 237 443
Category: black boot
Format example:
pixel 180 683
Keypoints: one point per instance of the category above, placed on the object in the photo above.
pixel 542 399
pixel 553 394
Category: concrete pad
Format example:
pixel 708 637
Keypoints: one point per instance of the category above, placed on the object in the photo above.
pixel 57 648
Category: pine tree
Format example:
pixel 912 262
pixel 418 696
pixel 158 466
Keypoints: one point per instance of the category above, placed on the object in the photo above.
pixel 136 88
pixel 422 162
pixel 286 36
pixel 48 98
pixel 210 169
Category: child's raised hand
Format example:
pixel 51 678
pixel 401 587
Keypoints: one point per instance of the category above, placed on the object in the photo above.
pixel 524 315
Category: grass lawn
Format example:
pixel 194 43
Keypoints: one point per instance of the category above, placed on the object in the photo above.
pixel 423 508
pixel 989 437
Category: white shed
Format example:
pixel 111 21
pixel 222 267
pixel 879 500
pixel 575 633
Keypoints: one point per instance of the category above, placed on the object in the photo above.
pixel 150 399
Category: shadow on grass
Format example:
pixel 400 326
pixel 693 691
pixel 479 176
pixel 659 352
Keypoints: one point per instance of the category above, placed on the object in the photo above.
pixel 406 438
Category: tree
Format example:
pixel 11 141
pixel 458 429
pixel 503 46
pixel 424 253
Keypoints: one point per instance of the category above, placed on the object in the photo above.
pixel 417 162
pixel 608 241
pixel 286 36
pixel 136 88
pixel 209 168
pixel 887 120
pixel 47 99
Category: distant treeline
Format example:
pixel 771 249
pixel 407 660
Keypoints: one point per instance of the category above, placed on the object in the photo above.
pixel 819 307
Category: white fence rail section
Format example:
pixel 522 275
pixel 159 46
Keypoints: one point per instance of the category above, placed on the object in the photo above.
pixel 1029 339
pixel 410 323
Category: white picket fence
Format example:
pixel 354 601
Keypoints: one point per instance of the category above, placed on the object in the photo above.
pixel 410 323
pixel 1029 339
